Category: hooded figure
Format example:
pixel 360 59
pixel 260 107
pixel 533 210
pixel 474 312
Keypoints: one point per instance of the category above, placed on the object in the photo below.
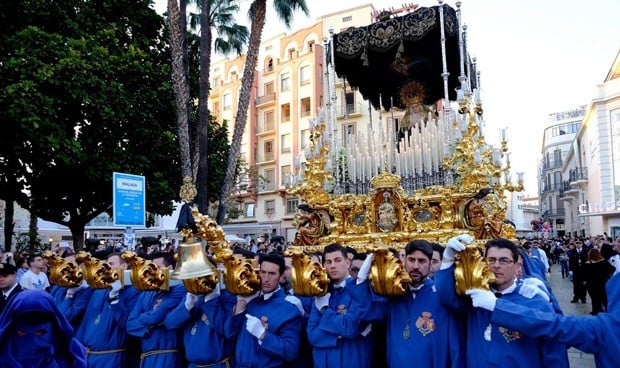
pixel 35 334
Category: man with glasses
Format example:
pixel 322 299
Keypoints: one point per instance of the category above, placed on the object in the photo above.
pixel 490 344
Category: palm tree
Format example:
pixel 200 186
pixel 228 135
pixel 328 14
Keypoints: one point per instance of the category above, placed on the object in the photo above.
pixel 214 14
pixel 218 15
pixel 284 9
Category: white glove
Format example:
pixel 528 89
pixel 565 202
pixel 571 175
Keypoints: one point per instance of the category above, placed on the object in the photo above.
pixel 74 290
pixel 362 274
pixel 213 294
pixel 296 302
pixel 115 290
pixel 191 300
pixel 532 286
pixel 254 326
pixel 454 246
pixel 322 301
pixel 482 298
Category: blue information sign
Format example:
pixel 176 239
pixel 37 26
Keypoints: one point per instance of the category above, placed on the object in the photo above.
pixel 129 200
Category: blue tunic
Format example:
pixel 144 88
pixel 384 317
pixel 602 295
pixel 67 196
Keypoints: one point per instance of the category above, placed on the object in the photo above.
pixel 71 308
pixel 281 341
pixel 598 334
pixel 203 329
pixel 420 326
pixel 336 334
pixel 492 345
pixel 159 345
pixel 103 327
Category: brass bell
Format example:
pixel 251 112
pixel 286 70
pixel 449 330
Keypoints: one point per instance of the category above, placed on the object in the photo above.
pixel 192 262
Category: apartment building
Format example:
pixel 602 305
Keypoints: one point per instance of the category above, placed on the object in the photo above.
pixel 590 190
pixel 558 138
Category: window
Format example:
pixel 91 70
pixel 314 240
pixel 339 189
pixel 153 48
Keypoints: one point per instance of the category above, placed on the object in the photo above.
pixel 285 82
pixel 269 88
pixel 269 47
pixel 304 75
pixel 285 143
pixel 216 108
pixel 291 206
pixel 348 131
pixel 305 107
pixel 248 209
pixel 269 178
pixel 227 101
pixel 310 45
pixel 269 121
pixel 304 138
pixel 349 103
pixel 268 66
pixel 216 84
pixel 270 207
pixel 285 177
pixel 292 54
pixel 268 150
pixel 285 112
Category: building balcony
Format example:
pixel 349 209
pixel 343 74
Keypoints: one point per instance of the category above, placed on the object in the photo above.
pixel 553 213
pixel 351 110
pixel 267 158
pixel 552 164
pixel 578 176
pixel 551 188
pixel 568 192
pixel 267 98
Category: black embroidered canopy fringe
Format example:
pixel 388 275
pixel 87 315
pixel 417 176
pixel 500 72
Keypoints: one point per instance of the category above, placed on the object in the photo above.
pixel 383 57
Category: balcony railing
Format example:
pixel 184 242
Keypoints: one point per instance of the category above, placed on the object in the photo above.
pixel 559 212
pixel 551 164
pixel 349 109
pixel 578 174
pixel 268 97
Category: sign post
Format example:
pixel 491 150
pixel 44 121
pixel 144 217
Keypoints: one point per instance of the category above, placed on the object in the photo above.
pixel 129 201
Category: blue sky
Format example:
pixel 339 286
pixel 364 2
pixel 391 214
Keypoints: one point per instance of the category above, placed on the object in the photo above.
pixel 536 57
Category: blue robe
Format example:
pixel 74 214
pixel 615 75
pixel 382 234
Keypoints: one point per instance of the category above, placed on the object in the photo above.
pixel 68 351
pixel 336 334
pixel 203 329
pixel 281 342
pixel 103 327
pixel 146 321
pixel 71 308
pixel 598 334
pixel 420 326
pixel 507 348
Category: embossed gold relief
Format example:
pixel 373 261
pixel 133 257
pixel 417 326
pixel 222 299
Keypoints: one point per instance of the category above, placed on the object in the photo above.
pixel 387 274
pixel 202 285
pixel 309 278
pixel 97 273
pixel 471 269
pixel 241 276
pixel 145 275
pixel 65 273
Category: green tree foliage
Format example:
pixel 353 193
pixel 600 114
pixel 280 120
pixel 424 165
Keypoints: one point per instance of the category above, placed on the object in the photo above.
pixel 84 91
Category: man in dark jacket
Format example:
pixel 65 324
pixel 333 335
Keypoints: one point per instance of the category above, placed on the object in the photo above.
pixel 8 283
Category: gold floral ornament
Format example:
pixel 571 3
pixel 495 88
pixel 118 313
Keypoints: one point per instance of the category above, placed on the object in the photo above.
pixel 309 278
pixel 471 269
pixel 387 273
pixel 63 272
pixel 97 273
pixel 145 275
pixel 241 276
pixel 202 285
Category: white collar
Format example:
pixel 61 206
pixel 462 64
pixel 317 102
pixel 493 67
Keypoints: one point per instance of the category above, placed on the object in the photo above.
pixel 266 296
pixel 509 290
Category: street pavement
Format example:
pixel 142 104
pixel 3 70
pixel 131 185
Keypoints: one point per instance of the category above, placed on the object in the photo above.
pixel 563 291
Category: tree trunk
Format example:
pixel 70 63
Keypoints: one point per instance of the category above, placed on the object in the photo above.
pixel 203 112
pixel 256 31
pixel 9 226
pixel 33 230
pixel 77 233
pixel 180 87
